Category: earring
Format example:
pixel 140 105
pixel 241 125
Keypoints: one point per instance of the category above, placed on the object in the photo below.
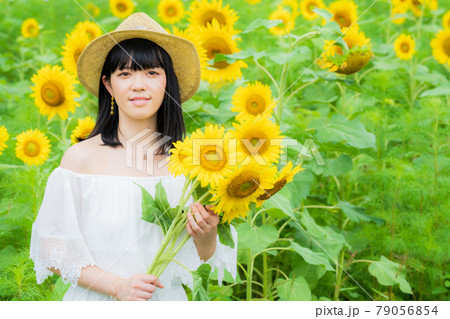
pixel 112 105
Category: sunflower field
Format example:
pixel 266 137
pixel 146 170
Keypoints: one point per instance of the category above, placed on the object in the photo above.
pixel 357 91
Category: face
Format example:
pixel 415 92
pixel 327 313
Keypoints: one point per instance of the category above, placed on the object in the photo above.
pixel 138 94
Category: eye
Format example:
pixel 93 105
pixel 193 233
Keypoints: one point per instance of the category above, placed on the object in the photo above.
pixel 123 73
pixel 152 73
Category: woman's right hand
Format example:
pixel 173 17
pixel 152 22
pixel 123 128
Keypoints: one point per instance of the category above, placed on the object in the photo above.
pixel 137 287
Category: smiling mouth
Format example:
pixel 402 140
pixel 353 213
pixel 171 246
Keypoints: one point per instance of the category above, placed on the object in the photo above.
pixel 139 99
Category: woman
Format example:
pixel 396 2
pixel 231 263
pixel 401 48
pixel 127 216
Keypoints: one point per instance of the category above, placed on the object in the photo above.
pixel 89 229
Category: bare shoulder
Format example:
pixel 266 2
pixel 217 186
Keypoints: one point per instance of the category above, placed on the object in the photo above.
pixel 79 157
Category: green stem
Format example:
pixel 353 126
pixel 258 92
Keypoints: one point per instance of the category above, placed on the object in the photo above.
pixel 339 275
pixel 268 73
pixel 249 263
pixel 267 274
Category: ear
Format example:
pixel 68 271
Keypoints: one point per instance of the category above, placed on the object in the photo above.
pixel 107 84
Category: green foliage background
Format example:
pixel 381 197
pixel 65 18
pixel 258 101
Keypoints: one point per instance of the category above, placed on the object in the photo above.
pixel 379 206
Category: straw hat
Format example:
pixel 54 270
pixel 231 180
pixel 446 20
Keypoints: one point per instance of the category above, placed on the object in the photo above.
pixel 183 53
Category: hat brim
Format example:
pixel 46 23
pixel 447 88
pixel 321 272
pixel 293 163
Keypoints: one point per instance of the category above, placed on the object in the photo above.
pixel 183 53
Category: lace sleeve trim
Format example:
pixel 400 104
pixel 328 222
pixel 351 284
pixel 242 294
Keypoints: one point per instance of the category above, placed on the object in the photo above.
pixel 68 255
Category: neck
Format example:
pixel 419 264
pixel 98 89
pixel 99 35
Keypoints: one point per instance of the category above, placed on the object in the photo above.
pixel 128 128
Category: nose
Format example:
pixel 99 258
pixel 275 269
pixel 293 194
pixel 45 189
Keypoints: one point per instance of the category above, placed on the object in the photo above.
pixel 139 82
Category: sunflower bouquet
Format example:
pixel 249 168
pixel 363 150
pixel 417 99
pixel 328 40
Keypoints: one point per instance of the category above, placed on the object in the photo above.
pixel 228 169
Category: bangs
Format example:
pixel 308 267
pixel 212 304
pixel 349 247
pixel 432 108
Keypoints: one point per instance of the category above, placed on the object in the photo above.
pixel 136 54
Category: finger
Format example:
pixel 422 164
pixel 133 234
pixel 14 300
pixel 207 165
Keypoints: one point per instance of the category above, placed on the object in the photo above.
pixel 189 229
pixel 149 288
pixel 144 295
pixel 204 213
pixel 198 216
pixel 193 224
pixel 150 279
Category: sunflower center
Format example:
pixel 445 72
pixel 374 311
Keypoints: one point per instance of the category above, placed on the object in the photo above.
pixel 342 20
pixel 256 105
pixel 31 29
pixel 275 189
pixel 171 11
pixel 212 157
pixel 215 46
pixel 52 94
pixel 243 185
pixel 311 7
pixel 405 47
pixel 211 15
pixel 258 140
pixel 32 149
pixel 446 46
pixel 121 7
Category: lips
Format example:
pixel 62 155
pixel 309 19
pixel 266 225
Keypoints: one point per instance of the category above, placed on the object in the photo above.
pixel 139 99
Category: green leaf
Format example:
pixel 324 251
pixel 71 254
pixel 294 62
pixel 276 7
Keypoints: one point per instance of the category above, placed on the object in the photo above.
pixel 161 198
pixel 311 257
pixel 387 274
pixel 296 289
pixel 60 290
pixel 355 213
pixel 327 15
pixel 151 211
pixel 279 206
pixel 258 23
pixel 201 283
pixel 329 240
pixel 6 256
pixel 7 166
pixel 225 235
pixel 256 238
pixel 441 90
pixel 339 129
pixel 339 166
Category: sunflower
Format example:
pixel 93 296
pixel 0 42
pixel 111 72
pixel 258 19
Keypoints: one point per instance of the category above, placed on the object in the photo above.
pixel 252 101
pixel 285 176
pixel 92 30
pixel 344 13
pixel 201 13
pixel 72 49
pixel 4 136
pixel 84 128
pixel 258 140
pixel 196 40
pixel 121 8
pixel 404 47
pixel 288 21
pixel 307 7
pixel 441 47
pixel 30 28
pixel 416 6
pixel 178 154
pixel 398 10
pixel 93 9
pixel 253 2
pixel 53 92
pixel 350 61
pixel 238 188
pixel 293 5
pixel 214 40
pixel 209 155
pixel 171 11
pixel 401 3
pixel 32 147
pixel 233 214
pixel 446 20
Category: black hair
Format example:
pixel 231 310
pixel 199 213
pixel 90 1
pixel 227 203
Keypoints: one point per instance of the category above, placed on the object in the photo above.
pixel 146 54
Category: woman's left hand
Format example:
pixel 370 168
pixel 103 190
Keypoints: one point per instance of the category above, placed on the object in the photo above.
pixel 204 226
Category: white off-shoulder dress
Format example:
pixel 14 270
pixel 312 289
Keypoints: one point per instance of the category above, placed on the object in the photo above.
pixel 96 220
